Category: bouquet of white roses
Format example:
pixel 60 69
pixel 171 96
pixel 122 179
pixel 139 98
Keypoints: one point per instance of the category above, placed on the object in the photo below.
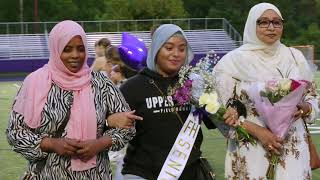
pixel 196 86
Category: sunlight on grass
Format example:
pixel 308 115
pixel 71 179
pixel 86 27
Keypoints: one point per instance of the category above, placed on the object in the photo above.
pixel 13 165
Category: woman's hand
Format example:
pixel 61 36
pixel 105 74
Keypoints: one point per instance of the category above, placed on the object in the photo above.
pixel 123 119
pixel 88 149
pixel 268 140
pixel 304 109
pixel 61 146
pixel 231 116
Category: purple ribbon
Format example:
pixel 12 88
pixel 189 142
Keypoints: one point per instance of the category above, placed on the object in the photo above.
pixel 200 112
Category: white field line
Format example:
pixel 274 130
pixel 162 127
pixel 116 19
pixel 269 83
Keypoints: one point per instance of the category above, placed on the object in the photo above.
pixel 314 124
pixel 16 85
pixel 314 128
pixel 314 132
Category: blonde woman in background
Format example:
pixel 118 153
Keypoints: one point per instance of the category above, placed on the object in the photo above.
pixel 101 63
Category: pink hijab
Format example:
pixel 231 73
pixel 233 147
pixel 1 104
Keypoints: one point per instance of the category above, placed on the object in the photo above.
pixel 33 95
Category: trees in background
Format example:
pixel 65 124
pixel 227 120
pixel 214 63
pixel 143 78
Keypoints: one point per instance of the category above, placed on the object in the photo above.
pixel 58 10
pixel 143 9
pixel 302 17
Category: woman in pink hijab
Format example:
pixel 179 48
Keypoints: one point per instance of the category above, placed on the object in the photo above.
pixel 58 120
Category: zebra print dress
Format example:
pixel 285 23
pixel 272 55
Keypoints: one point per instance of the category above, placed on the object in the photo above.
pixel 26 141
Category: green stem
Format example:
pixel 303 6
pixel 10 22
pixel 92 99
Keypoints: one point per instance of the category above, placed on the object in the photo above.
pixel 243 135
pixel 273 162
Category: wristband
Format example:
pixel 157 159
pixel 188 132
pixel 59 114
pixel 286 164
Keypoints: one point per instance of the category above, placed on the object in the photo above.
pixel 241 120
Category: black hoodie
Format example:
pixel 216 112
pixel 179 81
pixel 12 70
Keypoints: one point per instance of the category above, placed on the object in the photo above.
pixel 158 130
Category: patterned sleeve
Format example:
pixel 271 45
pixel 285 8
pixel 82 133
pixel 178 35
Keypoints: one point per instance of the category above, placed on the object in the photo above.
pixel 229 87
pixel 116 103
pixel 307 70
pixel 23 140
pixel 312 97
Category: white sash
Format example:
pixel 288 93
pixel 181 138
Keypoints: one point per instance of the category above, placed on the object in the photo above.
pixel 181 149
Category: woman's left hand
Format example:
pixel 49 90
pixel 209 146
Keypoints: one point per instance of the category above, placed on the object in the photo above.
pixel 231 116
pixel 123 119
pixel 304 108
pixel 89 148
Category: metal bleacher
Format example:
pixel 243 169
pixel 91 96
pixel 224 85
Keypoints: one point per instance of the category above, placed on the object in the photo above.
pixel 21 41
pixel 201 40
pixel 24 45
pixel 19 46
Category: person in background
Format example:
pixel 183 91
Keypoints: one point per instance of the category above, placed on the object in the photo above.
pixel 113 57
pixel 58 119
pixel 263 57
pixel 101 46
pixel 153 29
pixel 119 74
pixel 101 63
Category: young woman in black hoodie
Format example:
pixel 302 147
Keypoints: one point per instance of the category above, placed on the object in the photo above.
pixel 162 117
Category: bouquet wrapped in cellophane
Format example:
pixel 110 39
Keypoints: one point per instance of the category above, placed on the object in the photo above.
pixel 196 86
pixel 275 102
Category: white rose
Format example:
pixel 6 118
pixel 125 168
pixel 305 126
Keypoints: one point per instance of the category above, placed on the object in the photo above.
pixel 285 84
pixel 210 101
pixel 212 108
pixel 203 100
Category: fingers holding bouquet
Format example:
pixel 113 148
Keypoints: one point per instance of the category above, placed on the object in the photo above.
pixel 304 109
pixel 273 149
pixel 270 141
pixel 235 110
pixel 231 116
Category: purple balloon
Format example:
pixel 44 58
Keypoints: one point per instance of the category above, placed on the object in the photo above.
pixel 133 51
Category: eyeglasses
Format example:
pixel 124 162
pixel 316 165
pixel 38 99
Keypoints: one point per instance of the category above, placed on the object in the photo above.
pixel 265 23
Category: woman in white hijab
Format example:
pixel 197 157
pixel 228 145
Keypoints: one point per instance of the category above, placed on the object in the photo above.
pixel 263 57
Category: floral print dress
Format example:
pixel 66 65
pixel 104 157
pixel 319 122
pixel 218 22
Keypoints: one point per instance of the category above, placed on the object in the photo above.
pixel 245 161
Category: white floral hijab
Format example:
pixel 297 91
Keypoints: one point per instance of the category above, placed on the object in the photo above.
pixel 250 39
pixel 257 61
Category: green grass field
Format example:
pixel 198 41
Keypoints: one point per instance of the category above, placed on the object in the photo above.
pixel 12 165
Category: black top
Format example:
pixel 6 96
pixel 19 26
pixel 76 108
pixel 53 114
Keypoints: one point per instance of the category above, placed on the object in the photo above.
pixel 157 132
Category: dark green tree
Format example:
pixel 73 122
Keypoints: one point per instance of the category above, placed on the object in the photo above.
pixel 9 11
pixel 141 9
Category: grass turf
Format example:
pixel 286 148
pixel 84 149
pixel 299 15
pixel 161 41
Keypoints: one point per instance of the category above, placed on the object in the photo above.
pixel 12 165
